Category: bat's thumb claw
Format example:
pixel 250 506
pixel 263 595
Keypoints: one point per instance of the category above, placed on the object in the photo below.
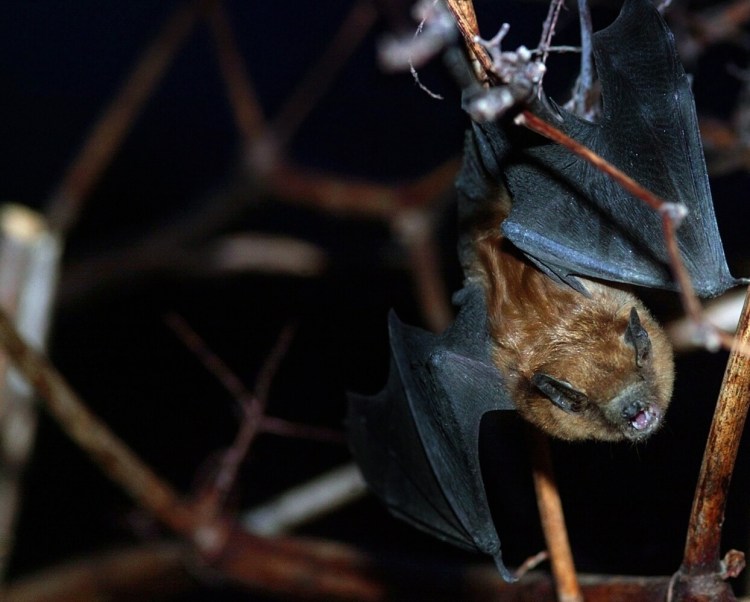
pixel 676 212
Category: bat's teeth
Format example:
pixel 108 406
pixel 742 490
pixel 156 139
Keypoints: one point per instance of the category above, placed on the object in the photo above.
pixel 644 420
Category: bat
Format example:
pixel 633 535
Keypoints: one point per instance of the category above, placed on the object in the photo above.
pixel 578 366
pixel 546 325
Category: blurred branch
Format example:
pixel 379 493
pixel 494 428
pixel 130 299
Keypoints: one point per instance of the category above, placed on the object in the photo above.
pixel 253 405
pixel 307 569
pixel 105 138
pixel 248 113
pixel 697 30
pixel 29 256
pixel 151 572
pixel 318 79
pixel 93 436
pixel 353 198
pixel 415 230
pixel 306 502
pixel 723 312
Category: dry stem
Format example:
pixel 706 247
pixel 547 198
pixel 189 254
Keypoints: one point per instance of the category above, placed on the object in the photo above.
pixel 704 533
pixel 553 520
pixel 106 136
pixel 93 436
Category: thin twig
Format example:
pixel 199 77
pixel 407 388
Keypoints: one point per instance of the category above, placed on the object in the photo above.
pixel 466 21
pixel 548 29
pixel 553 520
pixel 248 113
pixel 107 135
pixel 317 80
pixel 253 404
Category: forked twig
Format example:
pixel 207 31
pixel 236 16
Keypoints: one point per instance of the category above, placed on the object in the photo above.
pixel 253 404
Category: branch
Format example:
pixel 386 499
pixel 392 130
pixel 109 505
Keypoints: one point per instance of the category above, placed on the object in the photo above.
pixel 94 437
pixel 553 519
pixel 306 502
pixel 707 516
pixel 105 138
pixel 317 80
pixel 466 20
pixel 307 569
pixel 29 258
pixel 248 114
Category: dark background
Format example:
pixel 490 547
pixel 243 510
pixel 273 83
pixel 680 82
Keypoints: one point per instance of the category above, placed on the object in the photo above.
pixel 60 63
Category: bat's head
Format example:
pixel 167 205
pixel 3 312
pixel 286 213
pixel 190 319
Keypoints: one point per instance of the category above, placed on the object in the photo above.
pixel 605 375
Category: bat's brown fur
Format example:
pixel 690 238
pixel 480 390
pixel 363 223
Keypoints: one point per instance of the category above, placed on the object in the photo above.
pixel 538 325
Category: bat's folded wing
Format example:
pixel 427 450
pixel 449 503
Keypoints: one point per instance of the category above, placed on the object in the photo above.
pixel 417 441
pixel 571 219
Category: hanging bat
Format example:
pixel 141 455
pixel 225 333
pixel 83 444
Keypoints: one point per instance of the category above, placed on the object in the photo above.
pixel 543 326
pixel 578 366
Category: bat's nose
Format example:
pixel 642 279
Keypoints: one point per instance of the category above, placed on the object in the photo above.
pixel 631 409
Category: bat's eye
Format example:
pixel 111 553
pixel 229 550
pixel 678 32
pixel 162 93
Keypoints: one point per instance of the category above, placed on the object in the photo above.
pixel 562 394
pixel 636 335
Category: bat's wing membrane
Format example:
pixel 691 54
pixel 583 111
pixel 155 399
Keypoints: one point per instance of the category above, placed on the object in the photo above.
pixel 571 219
pixel 417 441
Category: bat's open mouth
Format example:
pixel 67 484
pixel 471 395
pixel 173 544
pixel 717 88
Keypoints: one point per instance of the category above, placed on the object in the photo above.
pixel 645 420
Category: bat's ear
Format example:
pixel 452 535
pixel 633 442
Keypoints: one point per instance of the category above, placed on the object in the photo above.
pixel 562 394
pixel 636 335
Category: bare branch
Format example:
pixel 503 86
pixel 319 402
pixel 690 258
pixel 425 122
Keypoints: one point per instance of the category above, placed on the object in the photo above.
pixel 702 570
pixel 313 85
pixel 105 138
pixel 117 461
pixel 248 113
pixel 29 258
pixel 553 520
pixel 307 502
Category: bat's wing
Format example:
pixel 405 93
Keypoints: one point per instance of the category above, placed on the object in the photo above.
pixel 417 441
pixel 571 219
